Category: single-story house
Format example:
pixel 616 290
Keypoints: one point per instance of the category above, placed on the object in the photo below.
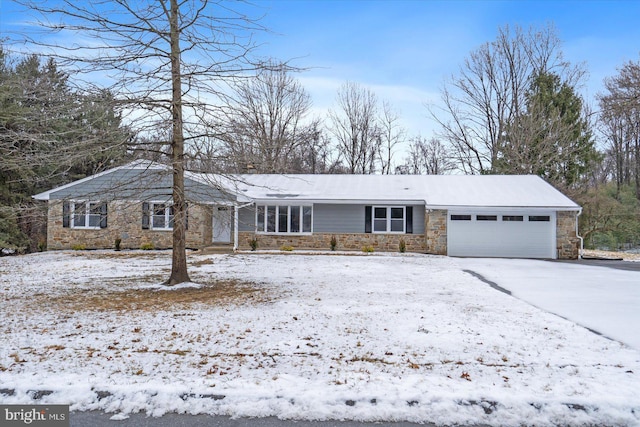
pixel 455 215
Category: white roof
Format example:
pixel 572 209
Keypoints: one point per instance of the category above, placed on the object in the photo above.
pixel 435 191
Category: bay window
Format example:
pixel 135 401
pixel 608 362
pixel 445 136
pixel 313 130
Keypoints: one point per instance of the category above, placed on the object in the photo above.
pixel 283 219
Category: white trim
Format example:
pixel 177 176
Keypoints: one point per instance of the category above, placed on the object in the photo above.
pixel 277 222
pixel 501 208
pixel 315 201
pixel 167 216
pixel 388 219
pixel 87 215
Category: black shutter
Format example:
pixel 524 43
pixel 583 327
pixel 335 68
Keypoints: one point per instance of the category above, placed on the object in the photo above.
pixel 103 215
pixel 186 216
pixel 65 214
pixel 409 219
pixel 145 215
pixel 367 219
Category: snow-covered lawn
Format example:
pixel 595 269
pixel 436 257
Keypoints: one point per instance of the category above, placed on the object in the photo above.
pixel 381 337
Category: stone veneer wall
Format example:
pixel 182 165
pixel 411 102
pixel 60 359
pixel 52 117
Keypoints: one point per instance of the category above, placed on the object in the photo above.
pixel 436 230
pixel 567 242
pixel 355 241
pixel 124 221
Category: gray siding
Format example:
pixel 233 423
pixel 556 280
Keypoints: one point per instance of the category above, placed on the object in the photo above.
pixel 247 219
pixel 338 218
pixel 329 218
pixel 137 184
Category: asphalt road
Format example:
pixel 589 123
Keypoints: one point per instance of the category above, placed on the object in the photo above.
pixel 620 265
pixel 99 419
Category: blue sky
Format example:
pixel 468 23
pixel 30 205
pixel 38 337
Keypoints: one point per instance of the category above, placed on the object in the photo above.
pixel 404 50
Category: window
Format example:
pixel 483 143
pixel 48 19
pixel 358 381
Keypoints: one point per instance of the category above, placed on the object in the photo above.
pixel 283 219
pixel 157 216
pixel 460 217
pixel 508 218
pixel 486 217
pixel 539 218
pixel 388 219
pixel 162 216
pixel 80 214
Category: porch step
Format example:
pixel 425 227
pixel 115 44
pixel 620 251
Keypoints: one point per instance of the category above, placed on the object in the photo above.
pixel 217 249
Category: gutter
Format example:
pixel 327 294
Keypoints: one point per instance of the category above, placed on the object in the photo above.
pixel 581 250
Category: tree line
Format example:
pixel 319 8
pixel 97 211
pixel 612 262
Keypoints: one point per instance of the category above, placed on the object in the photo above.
pixel 513 107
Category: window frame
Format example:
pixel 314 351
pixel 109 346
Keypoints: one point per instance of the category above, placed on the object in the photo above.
pixel 168 216
pixel 389 220
pixel 87 215
pixel 269 218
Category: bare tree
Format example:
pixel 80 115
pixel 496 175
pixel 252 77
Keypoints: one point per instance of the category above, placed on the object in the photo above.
pixel 620 124
pixel 430 157
pixel 489 93
pixel 355 128
pixel 391 134
pixel 266 121
pixel 165 62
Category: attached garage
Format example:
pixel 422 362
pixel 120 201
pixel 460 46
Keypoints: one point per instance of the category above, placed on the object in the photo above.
pixel 513 234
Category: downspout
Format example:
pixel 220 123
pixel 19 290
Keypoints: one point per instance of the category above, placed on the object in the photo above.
pixel 236 208
pixel 581 250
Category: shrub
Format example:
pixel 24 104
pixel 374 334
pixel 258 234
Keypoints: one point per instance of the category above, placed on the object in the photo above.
pixel 147 246
pixel 333 243
pixel 367 249
pixel 253 243
pixel 79 247
pixel 42 245
pixel 286 248
pixel 402 246
pixel 117 244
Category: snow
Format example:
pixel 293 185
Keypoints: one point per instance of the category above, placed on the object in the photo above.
pixel 437 191
pixel 378 337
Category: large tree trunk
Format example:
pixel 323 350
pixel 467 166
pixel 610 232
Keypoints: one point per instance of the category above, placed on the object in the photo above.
pixel 179 256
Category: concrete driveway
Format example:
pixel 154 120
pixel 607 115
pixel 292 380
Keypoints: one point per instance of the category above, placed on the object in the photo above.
pixel 601 295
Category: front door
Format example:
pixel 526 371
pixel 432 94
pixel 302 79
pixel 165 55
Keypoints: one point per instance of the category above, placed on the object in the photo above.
pixel 222 224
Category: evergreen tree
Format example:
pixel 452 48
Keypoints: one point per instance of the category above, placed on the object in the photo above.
pixel 551 138
pixel 49 135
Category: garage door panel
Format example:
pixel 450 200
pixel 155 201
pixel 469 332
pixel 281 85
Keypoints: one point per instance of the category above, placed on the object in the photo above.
pixel 519 239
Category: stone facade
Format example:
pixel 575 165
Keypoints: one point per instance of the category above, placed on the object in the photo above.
pixel 567 243
pixel 322 241
pixel 436 227
pixel 125 223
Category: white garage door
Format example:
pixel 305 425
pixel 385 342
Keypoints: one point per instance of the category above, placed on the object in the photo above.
pixel 508 235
